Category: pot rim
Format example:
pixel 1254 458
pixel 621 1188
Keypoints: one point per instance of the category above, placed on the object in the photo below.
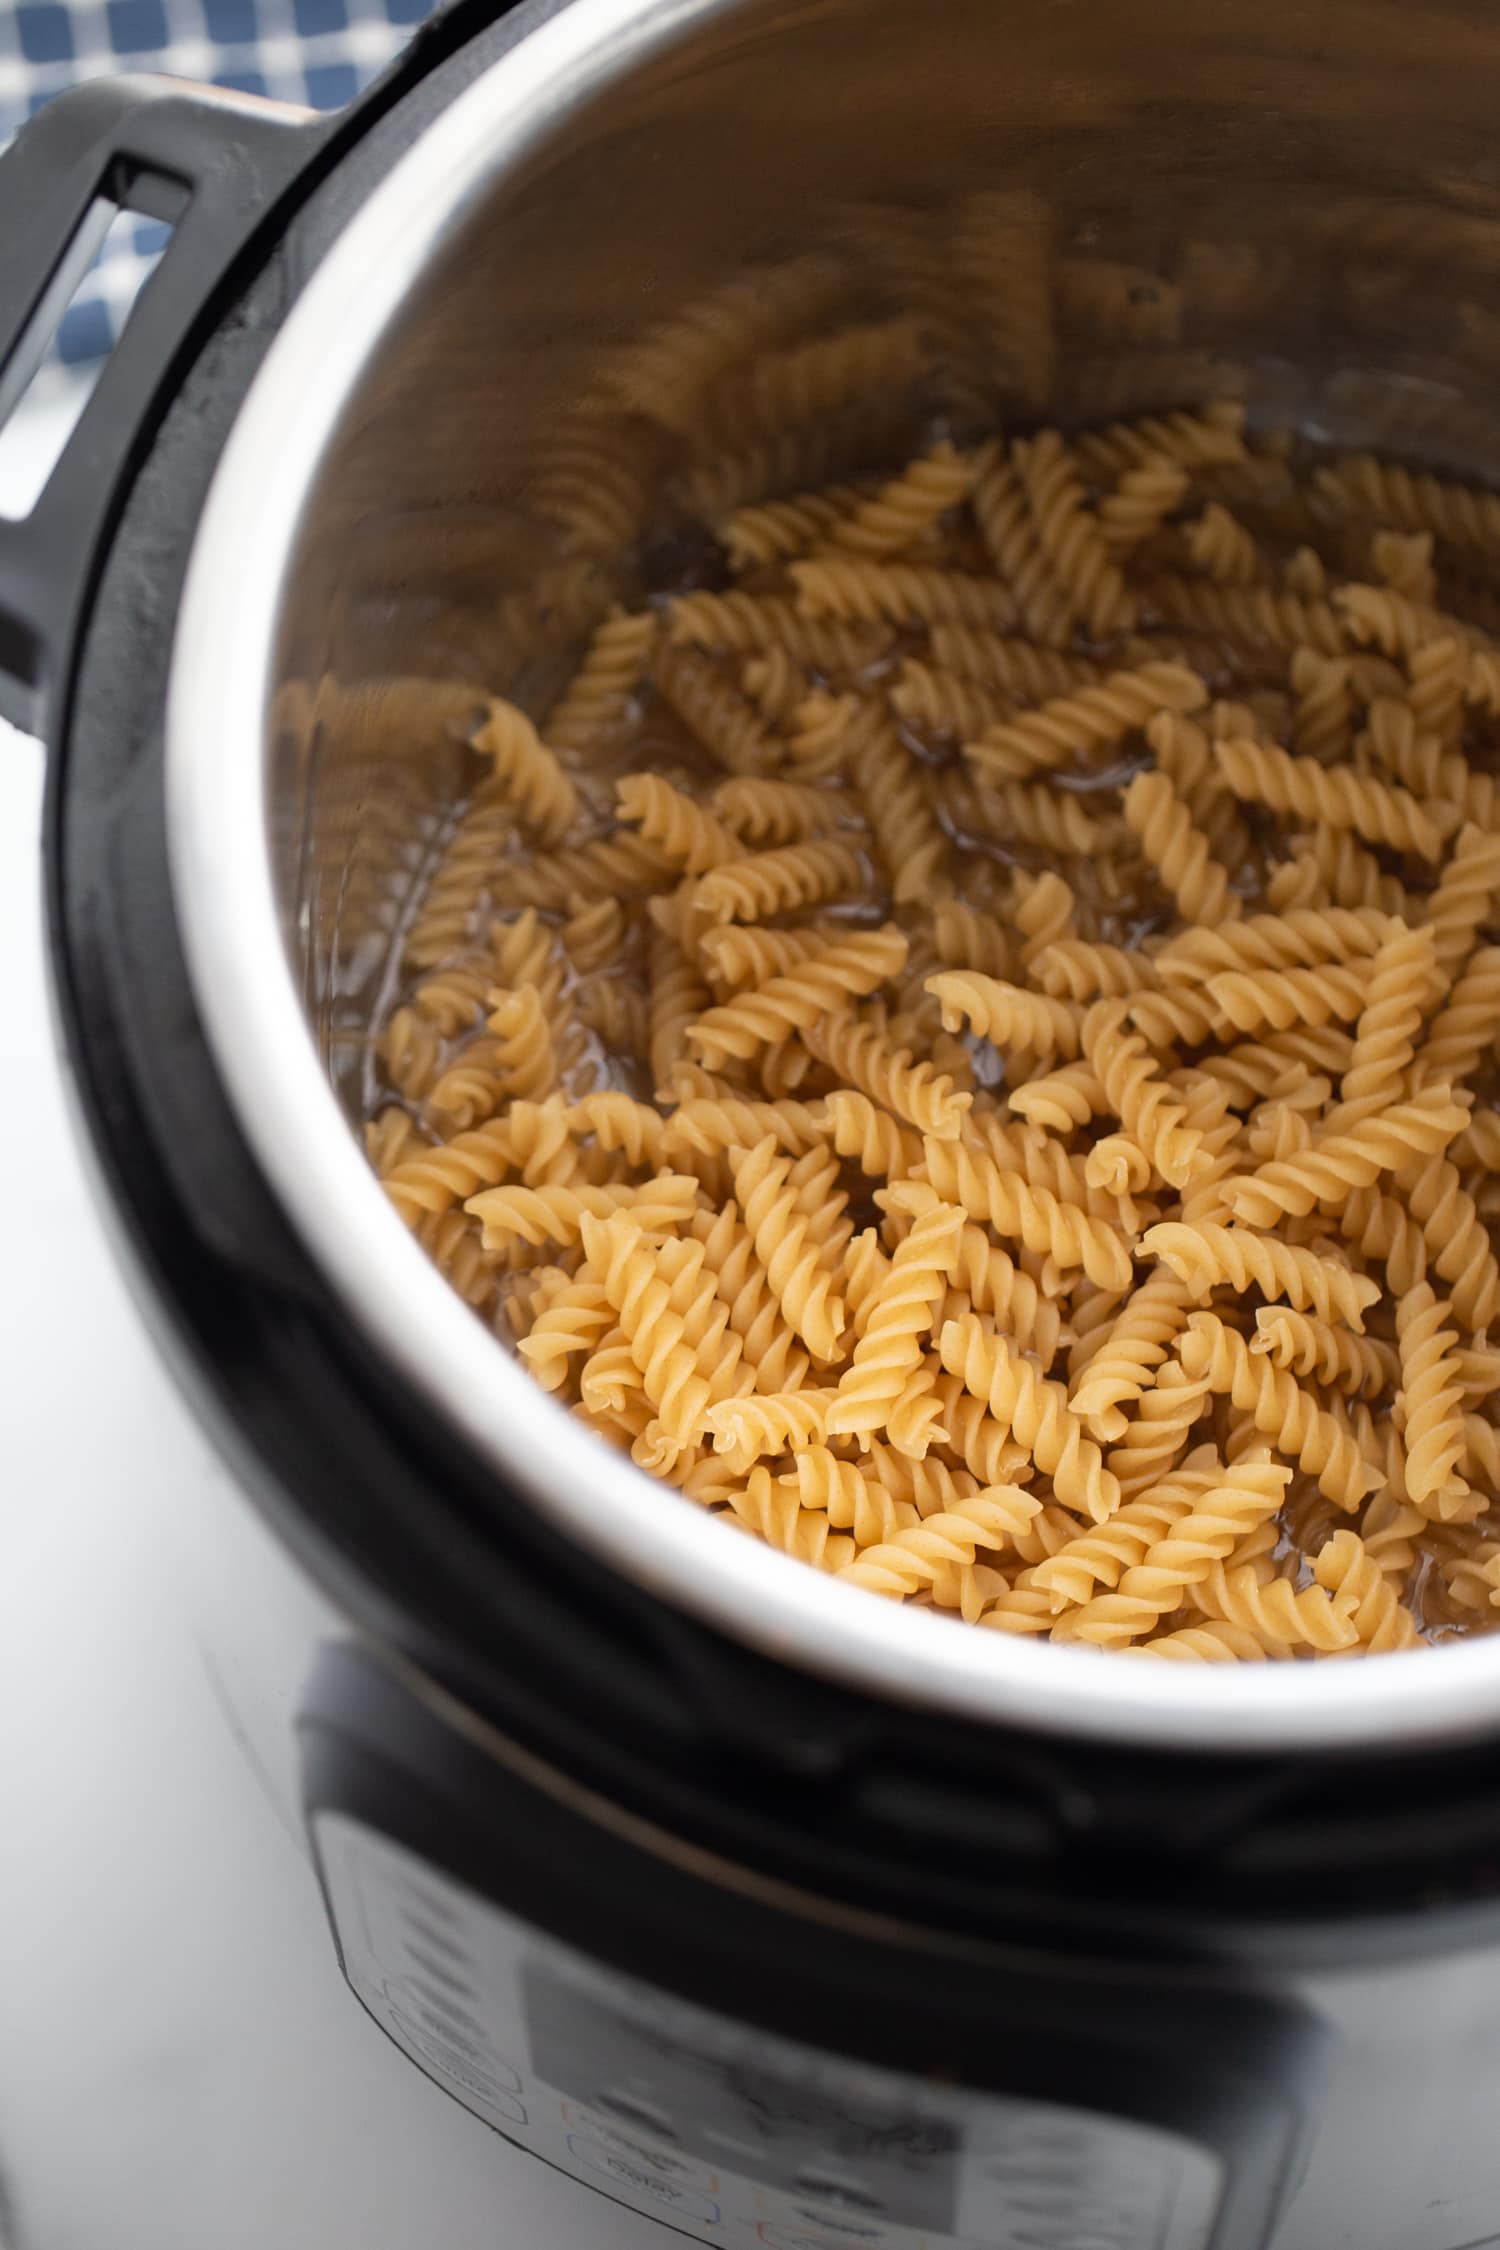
pixel 218 696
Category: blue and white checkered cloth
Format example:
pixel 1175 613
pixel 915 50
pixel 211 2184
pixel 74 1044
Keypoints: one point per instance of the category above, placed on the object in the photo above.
pixel 318 52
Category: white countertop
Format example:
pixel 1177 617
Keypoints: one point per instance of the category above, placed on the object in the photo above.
pixel 180 2061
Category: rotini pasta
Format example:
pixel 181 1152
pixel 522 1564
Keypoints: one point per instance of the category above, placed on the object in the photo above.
pixel 1281 1410
pixel 862 1053
pixel 1136 1345
pixel 823 983
pixel 1381 812
pixel 1035 1411
pixel 897 1319
pixel 1250 1491
pixel 596 701
pixel 778 529
pixel 1089 720
pixel 1163 825
pixel 682 830
pixel 1348 1159
pixel 1431 1403
pixel 781 1233
pixel 1090 581
pixel 780 812
pixel 779 882
pixel 946 702
pixel 1222 548
pixel 1138 1095
pixel 1361 1366
pixel 1140 503
pixel 1347 1571
pixel 858 592
pixel 965 1038
pixel 530 773
pixel 1005 1014
pixel 714 711
pixel 895 519
pixel 1035 1217
pixel 900 814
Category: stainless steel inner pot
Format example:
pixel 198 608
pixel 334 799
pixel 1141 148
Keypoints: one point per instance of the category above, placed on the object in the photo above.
pixel 447 465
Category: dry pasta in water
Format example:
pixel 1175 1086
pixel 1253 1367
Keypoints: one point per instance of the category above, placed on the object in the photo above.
pixel 966 1041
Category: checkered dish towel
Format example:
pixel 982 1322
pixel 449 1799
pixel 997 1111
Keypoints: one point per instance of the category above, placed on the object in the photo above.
pixel 318 52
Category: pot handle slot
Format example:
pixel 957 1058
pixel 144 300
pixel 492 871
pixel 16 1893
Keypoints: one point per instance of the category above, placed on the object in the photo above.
pixel 210 164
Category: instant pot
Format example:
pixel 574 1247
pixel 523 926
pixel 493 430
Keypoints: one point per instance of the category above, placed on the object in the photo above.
pixel 767 1913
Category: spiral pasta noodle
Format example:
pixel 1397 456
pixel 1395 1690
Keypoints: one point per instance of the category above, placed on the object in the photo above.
pixel 803 1289
pixel 460 883
pixel 766 811
pixel 772 1507
pixel 775 530
pixel 685 832
pixel 1222 548
pixel 1455 1239
pixel 852 1500
pixel 1035 1411
pixel 1008 529
pixel 1347 1571
pixel 1138 1095
pixel 597 699
pixel 870 1136
pixel 747 624
pixel 1381 812
pixel 901 817
pixel 743 1429
pixel 895 518
pixel 1016 668
pixel 1299 938
pixel 1062 1099
pixel 1090 580
pixel 1348 1159
pixel 851 590
pixel 897 1319
pixel 536 783
pixel 1361 1366
pixel 1431 1397
pixel 1281 1410
pixel 1137 1343
pixel 913 1557
pixel 1385 493
pixel 779 881
pixel 1253 617
pixel 1102 1555
pixel 1463 898
pixel 536 1215
pixel 915 1091
pixel 1034 1216
pixel 1182 1556
pixel 946 702
pixel 1005 1014
pixel 1211 439
pixel 1280 1616
pixel 1395 1003
pixel 1276 999
pixel 824 982
pixel 1163 825
pixel 1323 714
pixel 574 1324
pixel 1139 503
pixel 1090 719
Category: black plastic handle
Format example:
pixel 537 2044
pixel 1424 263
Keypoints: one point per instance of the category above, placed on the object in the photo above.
pixel 211 164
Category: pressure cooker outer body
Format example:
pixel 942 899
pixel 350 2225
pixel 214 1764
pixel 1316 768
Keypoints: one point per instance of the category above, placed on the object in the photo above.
pixel 757 1958
pixel 732 1949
